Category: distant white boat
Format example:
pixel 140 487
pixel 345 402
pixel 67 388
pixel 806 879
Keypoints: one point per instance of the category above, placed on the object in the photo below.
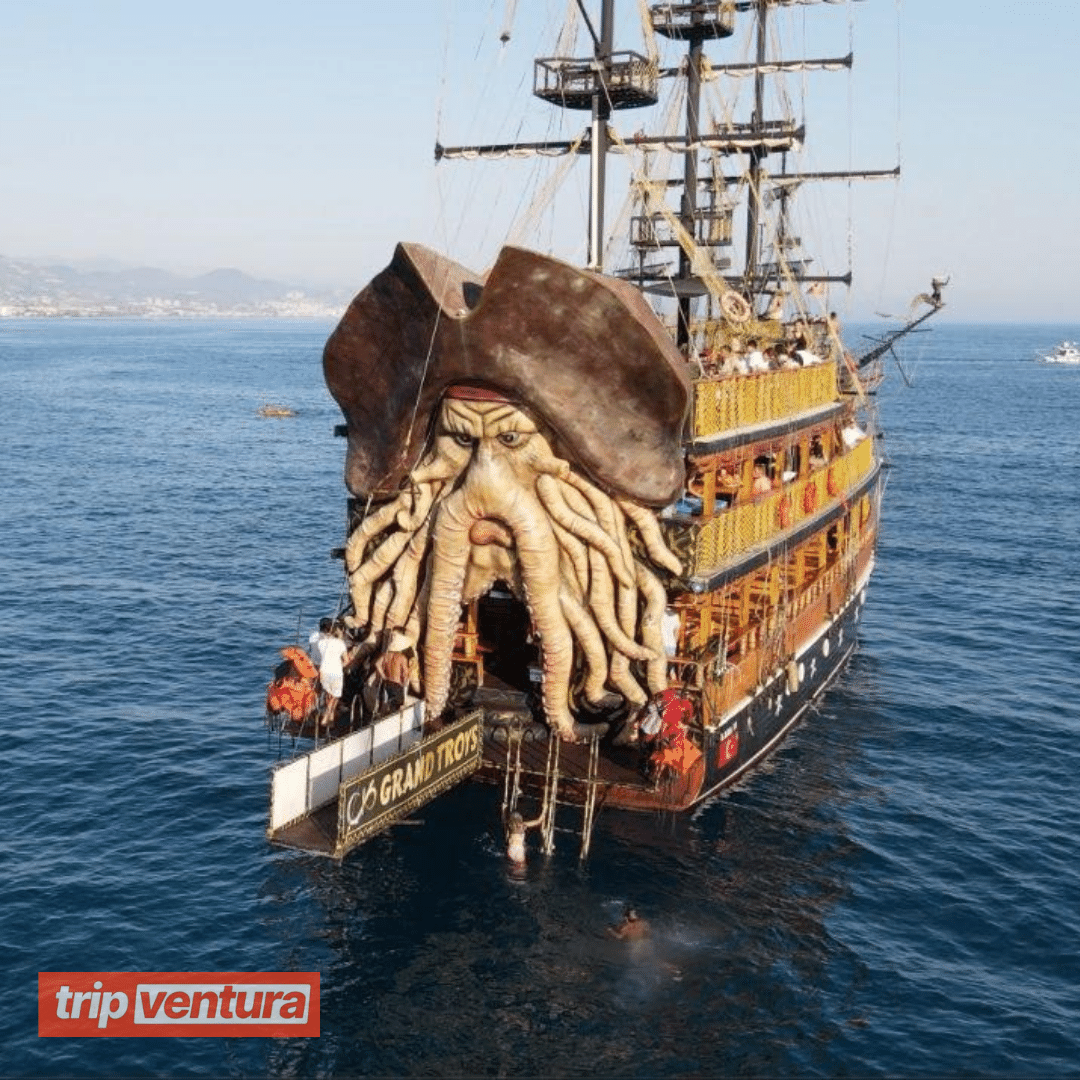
pixel 1067 352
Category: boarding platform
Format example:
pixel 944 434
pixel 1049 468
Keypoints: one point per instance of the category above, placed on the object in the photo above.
pixel 337 796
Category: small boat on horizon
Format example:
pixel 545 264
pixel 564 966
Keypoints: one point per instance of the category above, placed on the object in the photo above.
pixel 1068 352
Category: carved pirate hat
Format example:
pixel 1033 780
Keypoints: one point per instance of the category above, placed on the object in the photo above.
pixel 583 352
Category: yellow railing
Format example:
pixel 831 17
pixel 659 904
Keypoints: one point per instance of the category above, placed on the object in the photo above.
pixel 742 528
pixel 745 400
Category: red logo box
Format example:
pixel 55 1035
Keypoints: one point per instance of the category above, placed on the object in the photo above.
pixel 169 1003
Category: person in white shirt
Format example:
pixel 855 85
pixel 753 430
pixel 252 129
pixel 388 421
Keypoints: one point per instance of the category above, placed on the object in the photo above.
pixel 852 435
pixel 670 622
pixel 806 356
pixel 332 672
pixel 318 639
pixel 755 360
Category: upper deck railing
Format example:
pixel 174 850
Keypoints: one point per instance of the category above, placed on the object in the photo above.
pixel 707 546
pixel 722 406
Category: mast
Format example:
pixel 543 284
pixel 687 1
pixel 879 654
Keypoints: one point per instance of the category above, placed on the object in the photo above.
pixel 753 206
pixel 598 142
pixel 694 22
pixel 606 81
pixel 690 162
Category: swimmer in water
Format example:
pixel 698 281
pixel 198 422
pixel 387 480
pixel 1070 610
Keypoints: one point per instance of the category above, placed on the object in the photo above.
pixel 632 927
pixel 516 828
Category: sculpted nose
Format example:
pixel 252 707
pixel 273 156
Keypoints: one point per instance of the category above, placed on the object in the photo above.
pixel 486 473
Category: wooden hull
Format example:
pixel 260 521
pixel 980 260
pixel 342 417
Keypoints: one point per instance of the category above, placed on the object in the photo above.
pixel 733 741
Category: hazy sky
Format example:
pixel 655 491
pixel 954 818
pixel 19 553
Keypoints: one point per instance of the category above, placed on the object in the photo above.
pixel 293 138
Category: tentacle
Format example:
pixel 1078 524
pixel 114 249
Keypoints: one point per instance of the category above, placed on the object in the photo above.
pixel 493 490
pixel 651 536
pixel 413 630
pixel 537 456
pixel 405 575
pixel 627 608
pixel 384 556
pixel 601 503
pixel 592 645
pixel 579 504
pixel 436 467
pixel 362 578
pixel 602 605
pixel 619 677
pixel 575 553
pixel 651 622
pixel 449 558
pixel 373 524
pixel 547 487
pixel 540 565
pixel 379 605
pixel 553 466
pixel 628 597
pixel 410 519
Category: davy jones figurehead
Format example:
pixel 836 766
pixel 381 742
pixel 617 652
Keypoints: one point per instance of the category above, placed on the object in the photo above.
pixel 521 429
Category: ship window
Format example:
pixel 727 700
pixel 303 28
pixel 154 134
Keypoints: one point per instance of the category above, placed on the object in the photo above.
pixel 763 474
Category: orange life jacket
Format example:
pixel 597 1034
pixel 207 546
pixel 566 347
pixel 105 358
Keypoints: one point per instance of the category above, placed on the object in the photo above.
pixel 291 695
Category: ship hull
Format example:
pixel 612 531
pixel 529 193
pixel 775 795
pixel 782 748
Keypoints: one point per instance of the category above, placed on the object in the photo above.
pixel 745 736
pixel 756 727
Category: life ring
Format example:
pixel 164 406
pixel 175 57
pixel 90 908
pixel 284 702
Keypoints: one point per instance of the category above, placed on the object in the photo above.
pixel 809 498
pixel 783 511
pixel 832 485
pixel 736 308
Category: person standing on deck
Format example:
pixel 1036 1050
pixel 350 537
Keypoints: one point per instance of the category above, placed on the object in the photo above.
pixel 332 671
pixel 756 361
pixel 318 639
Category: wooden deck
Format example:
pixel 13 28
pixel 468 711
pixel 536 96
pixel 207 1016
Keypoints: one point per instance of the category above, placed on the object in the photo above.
pixel 619 779
pixel 316 833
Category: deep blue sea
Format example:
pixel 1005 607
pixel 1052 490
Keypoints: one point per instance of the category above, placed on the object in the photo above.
pixel 897 893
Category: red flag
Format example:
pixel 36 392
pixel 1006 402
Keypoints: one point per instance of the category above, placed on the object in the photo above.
pixel 729 749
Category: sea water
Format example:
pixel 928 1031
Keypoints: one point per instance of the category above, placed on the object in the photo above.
pixel 895 893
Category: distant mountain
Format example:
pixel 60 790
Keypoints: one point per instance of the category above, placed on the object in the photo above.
pixel 27 288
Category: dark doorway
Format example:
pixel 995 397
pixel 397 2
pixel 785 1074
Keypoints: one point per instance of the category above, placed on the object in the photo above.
pixel 503 627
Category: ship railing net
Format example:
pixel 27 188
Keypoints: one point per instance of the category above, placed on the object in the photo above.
pixel 736 530
pixel 740 401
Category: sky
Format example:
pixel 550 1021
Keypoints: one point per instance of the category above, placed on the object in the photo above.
pixel 293 139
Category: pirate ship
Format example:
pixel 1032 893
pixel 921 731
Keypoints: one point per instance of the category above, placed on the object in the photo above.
pixel 620 520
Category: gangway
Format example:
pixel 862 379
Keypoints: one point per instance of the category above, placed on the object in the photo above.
pixel 339 795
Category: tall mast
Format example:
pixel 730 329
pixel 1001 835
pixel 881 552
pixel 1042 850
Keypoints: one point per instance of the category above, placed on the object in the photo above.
pixel 606 81
pixel 598 142
pixel 690 162
pixel 753 206
pixel 695 22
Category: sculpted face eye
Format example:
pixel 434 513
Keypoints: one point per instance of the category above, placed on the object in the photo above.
pixel 512 438
pixel 461 438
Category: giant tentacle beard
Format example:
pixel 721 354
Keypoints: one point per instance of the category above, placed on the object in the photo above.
pixel 490 501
